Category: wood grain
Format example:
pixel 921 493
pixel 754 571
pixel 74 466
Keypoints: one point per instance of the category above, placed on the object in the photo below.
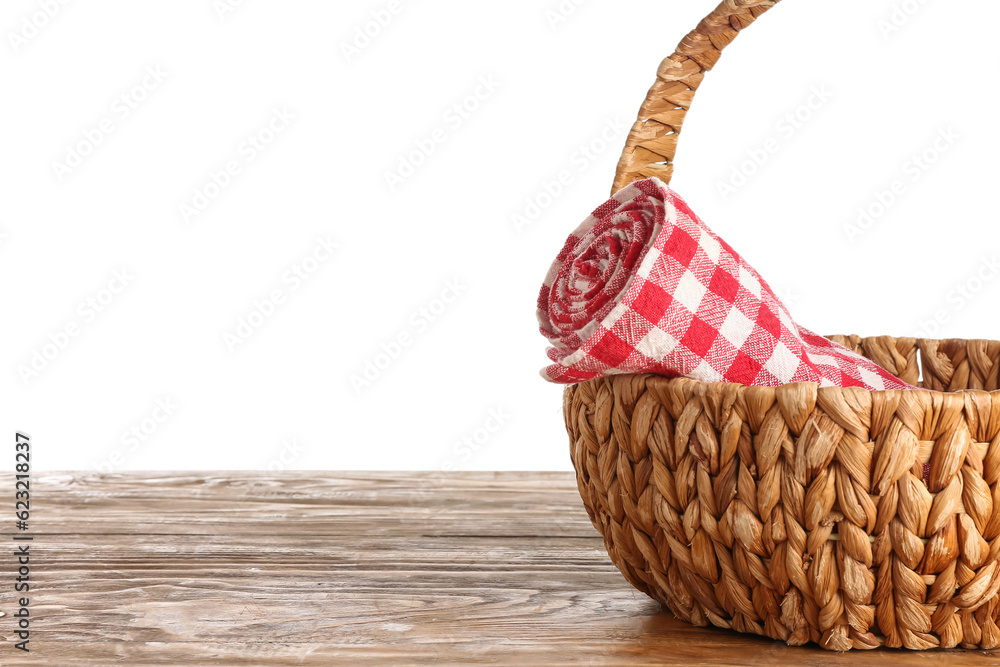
pixel 306 568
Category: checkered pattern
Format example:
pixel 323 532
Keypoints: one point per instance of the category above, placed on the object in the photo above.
pixel 643 286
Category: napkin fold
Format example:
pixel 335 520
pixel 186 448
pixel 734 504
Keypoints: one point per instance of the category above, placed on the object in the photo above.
pixel 644 286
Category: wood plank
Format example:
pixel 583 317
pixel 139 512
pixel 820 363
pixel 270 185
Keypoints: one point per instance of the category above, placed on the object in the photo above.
pixel 306 568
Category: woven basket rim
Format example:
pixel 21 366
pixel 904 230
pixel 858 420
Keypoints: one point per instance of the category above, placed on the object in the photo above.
pixel 702 383
pixel 908 341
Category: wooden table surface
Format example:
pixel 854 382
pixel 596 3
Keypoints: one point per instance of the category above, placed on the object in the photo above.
pixel 307 568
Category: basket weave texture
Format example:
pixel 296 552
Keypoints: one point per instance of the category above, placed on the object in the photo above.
pixel 803 513
pixel 849 518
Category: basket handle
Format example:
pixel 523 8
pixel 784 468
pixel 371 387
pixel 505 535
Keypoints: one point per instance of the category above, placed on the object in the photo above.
pixel 652 141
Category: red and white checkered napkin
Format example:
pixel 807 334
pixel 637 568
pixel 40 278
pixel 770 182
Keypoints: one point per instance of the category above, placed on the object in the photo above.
pixel 643 286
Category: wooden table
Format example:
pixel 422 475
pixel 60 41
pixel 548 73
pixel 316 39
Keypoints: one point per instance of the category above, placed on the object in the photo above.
pixel 305 568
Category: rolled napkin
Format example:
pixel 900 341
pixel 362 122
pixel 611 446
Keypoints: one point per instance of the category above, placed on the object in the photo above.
pixel 643 286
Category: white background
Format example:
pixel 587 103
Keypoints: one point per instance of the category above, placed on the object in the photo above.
pixel 284 398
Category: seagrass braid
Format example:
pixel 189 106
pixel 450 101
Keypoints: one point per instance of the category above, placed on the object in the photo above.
pixel 947 365
pixel 652 141
pixel 804 513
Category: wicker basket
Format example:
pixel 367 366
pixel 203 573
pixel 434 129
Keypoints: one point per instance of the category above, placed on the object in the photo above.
pixel 845 517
